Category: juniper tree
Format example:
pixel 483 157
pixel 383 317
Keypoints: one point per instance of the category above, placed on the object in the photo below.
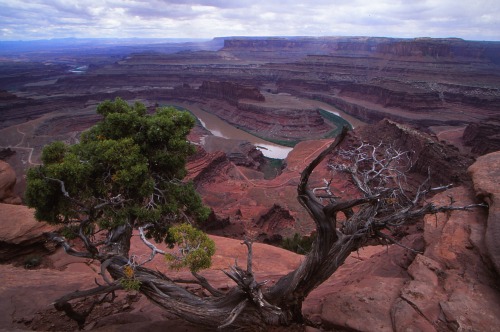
pixel 126 173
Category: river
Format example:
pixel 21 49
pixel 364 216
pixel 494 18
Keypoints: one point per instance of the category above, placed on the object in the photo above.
pixel 220 128
pixel 223 129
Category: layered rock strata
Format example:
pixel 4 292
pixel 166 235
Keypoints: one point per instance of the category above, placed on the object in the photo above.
pixel 483 137
pixel 230 91
pixel 446 164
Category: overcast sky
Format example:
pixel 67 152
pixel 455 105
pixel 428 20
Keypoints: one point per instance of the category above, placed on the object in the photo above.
pixel 44 19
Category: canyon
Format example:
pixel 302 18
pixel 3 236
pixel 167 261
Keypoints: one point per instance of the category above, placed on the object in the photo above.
pixel 439 98
pixel 272 88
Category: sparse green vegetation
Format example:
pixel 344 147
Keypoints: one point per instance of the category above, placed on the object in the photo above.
pixel 298 243
pixel 195 248
pixel 70 232
pixel 129 282
pixel 272 168
pixel 126 172
pixel 32 261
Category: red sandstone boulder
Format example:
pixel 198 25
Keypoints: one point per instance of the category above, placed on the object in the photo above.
pixel 384 289
pixel 447 288
pixel 359 296
pixel 7 183
pixel 20 233
pixel 485 174
pixel 451 288
pixel 26 293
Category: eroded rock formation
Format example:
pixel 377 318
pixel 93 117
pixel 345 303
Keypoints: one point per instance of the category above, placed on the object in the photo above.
pixel 241 153
pixel 422 82
pixel 445 162
pixel 486 174
pixel 483 137
pixel 7 182
pixel 418 47
pixel 21 235
pixel 205 168
pixel 230 91
pixel 447 287
pixel 275 221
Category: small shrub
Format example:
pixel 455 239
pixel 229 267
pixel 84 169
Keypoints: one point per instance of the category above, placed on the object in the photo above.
pixel 129 282
pixel 69 232
pixel 298 243
pixel 32 261
pixel 195 248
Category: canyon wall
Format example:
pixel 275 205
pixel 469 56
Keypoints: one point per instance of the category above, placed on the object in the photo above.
pixel 446 164
pixel 417 47
pixel 483 137
pixel 230 91
pixel 270 87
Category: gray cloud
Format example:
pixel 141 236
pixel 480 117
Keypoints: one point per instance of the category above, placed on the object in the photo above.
pixel 35 19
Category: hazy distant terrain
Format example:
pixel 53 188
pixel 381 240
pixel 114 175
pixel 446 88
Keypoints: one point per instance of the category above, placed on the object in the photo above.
pixel 272 88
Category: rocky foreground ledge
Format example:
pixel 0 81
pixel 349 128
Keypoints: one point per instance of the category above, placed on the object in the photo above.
pixel 451 286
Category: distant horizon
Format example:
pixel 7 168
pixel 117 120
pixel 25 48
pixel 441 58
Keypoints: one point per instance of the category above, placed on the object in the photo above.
pixel 28 20
pixel 188 39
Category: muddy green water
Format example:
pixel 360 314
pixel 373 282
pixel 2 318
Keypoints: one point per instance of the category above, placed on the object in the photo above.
pixel 223 129
pixel 220 128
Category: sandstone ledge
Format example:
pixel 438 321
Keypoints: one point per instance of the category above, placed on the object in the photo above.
pixel 485 174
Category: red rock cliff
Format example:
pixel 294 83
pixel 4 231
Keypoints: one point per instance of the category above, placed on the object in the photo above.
pixel 230 91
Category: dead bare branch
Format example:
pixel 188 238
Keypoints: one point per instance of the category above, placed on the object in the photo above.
pixel 205 284
pixel 248 243
pixel 67 247
pixel 154 249
pixel 62 304
pixel 392 240
pixel 234 314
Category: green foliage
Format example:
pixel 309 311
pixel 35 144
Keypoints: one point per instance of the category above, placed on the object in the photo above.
pixel 32 261
pixel 298 243
pixel 195 248
pixel 54 153
pixel 69 231
pixel 272 168
pixel 129 282
pixel 126 169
